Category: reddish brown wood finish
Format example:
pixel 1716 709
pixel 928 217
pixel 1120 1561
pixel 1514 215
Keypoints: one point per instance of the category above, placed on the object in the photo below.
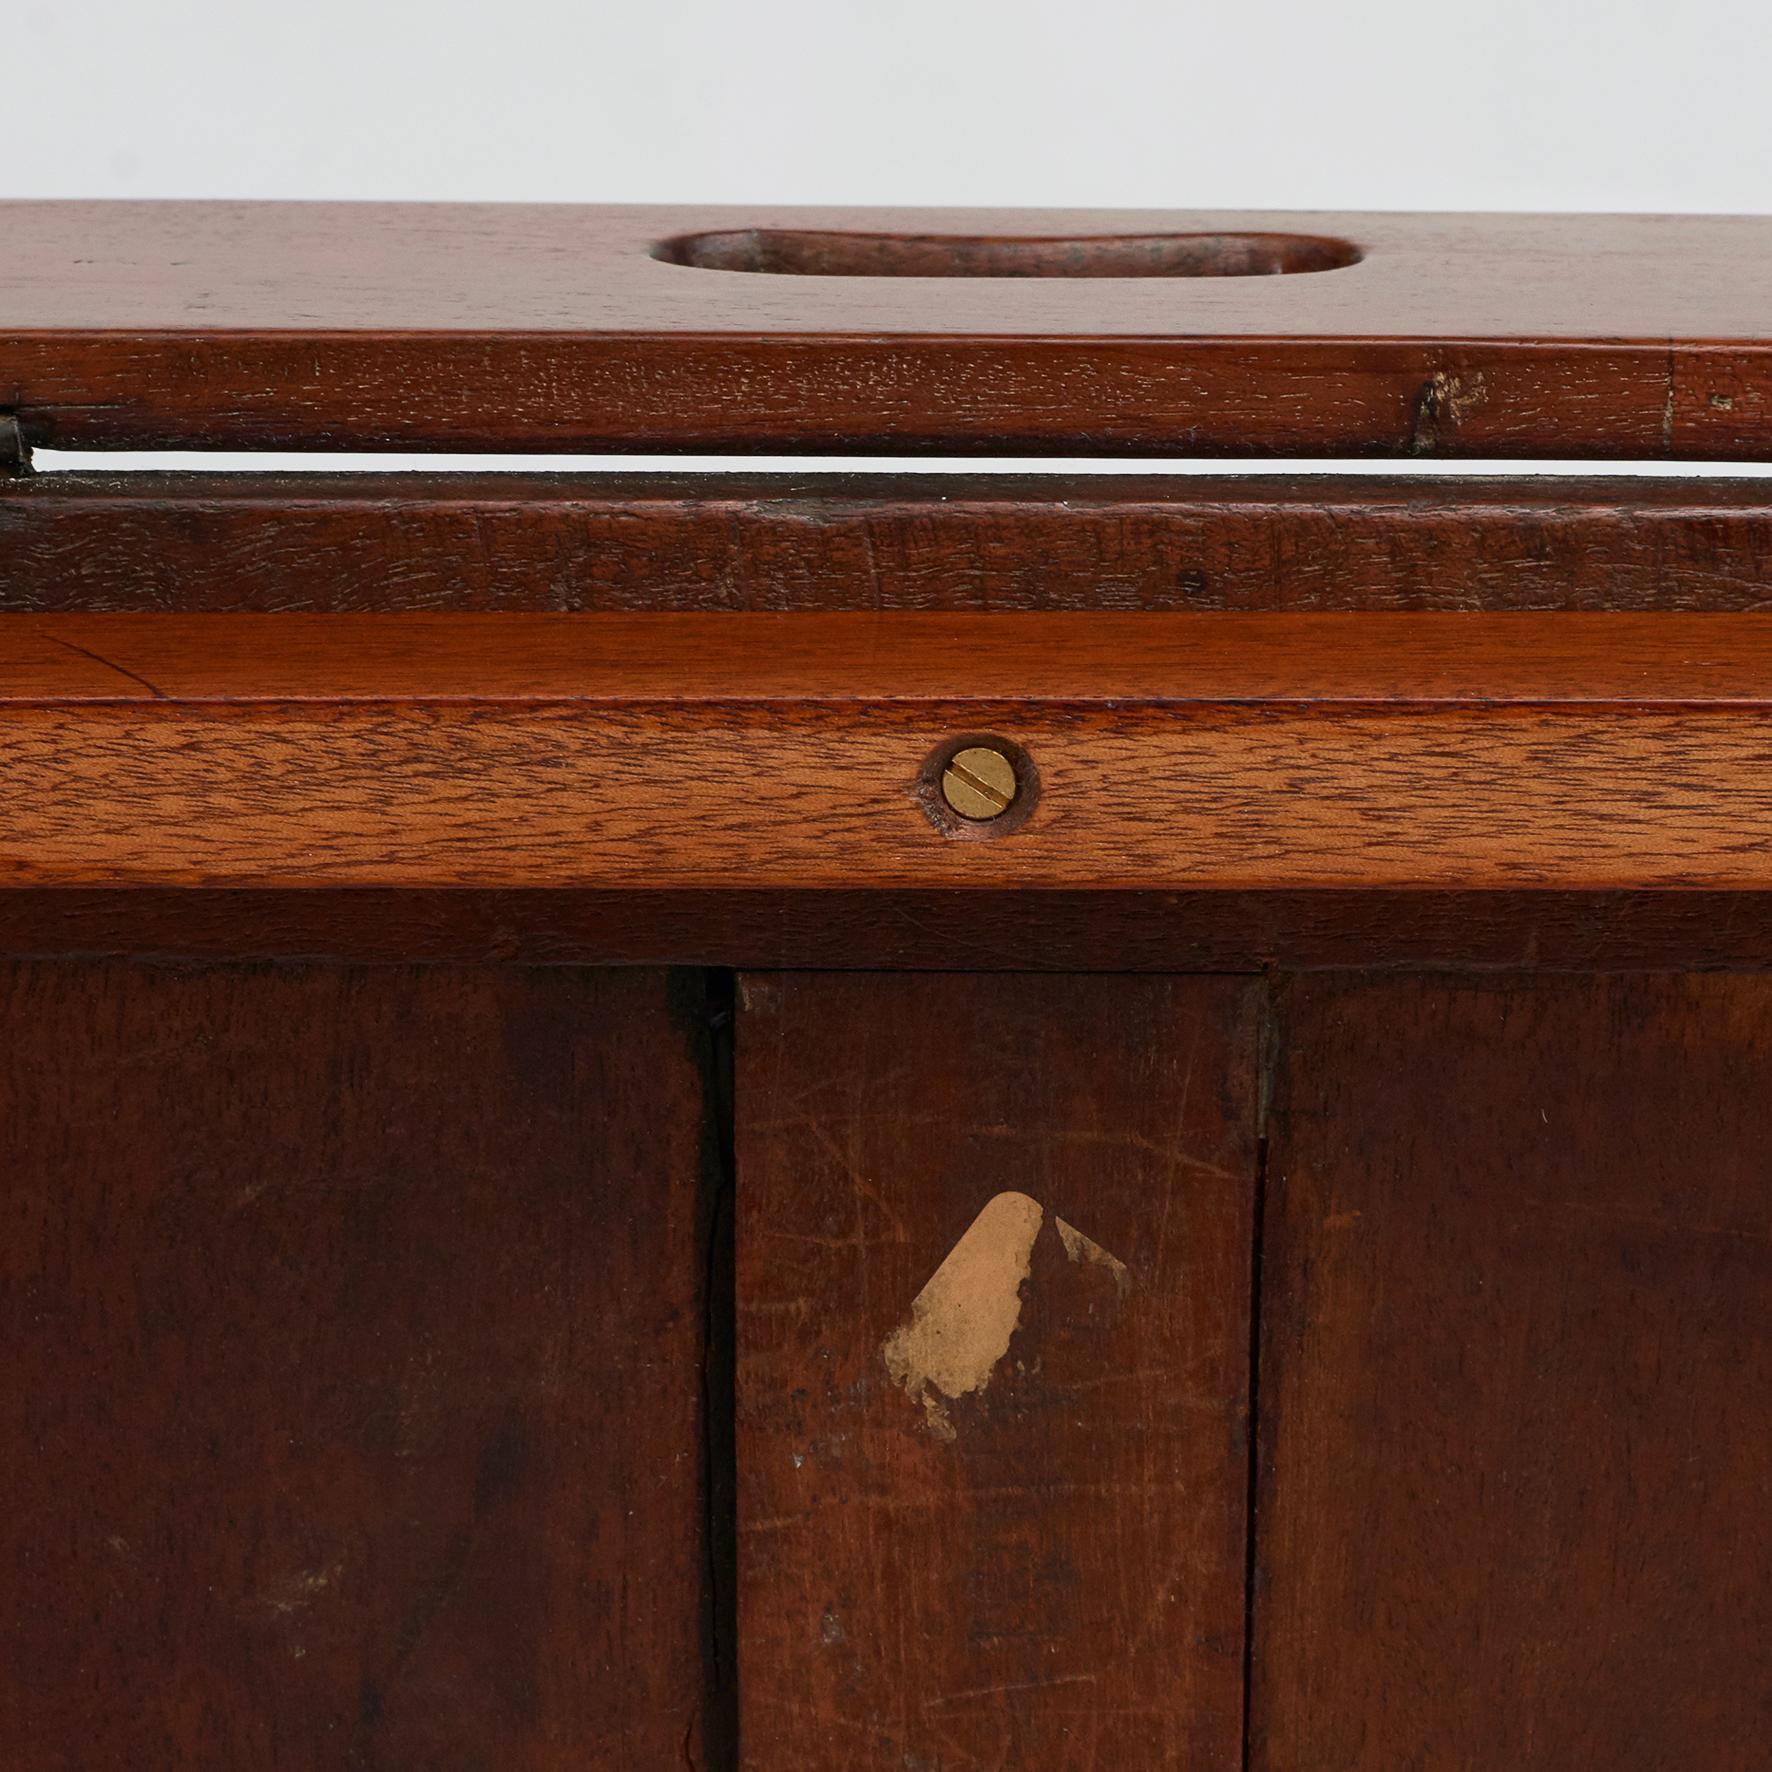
pixel 354 1326
pixel 1243 752
pixel 914 931
pixel 1515 1377
pixel 530 326
pixel 363 542
pixel 803 663
pixel 1059 1582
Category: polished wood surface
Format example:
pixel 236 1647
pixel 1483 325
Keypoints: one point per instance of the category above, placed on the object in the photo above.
pixel 609 543
pixel 532 269
pixel 914 659
pixel 537 326
pixel 1048 1569
pixel 1247 752
pixel 354 1324
pixel 1515 1377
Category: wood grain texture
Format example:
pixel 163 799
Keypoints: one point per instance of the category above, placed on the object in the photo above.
pixel 1060 1582
pixel 537 326
pixel 1241 752
pixel 344 543
pixel 1237 800
pixel 879 662
pixel 354 1326
pixel 1515 1377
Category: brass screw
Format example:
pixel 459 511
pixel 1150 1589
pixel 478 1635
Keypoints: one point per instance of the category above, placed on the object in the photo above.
pixel 979 782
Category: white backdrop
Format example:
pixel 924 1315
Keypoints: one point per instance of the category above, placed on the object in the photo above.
pixel 1520 104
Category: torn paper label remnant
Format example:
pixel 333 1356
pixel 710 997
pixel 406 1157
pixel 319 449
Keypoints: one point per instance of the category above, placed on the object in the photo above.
pixel 1082 1249
pixel 962 1322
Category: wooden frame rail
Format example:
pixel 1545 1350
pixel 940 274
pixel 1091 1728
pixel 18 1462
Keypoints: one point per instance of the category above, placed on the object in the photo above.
pixel 793 752
pixel 185 543
pixel 550 327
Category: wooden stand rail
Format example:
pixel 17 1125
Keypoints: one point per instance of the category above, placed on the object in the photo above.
pixel 1422 751
pixel 884 1123
pixel 540 326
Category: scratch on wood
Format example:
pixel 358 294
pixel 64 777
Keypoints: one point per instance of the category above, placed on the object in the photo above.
pixel 1667 406
pixel 109 664
pixel 300 1591
pixel 1440 409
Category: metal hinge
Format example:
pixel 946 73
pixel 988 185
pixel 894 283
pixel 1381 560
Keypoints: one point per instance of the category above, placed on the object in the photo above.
pixel 15 452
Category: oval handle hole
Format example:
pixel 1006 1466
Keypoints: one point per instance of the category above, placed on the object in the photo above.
pixel 809 252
